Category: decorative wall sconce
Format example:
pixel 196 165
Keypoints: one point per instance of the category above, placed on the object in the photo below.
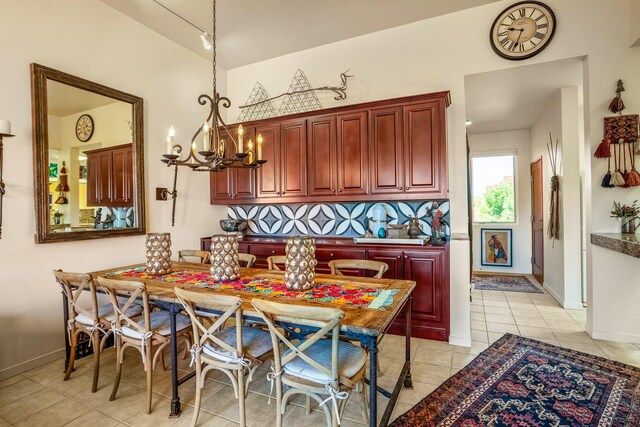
pixel 5 132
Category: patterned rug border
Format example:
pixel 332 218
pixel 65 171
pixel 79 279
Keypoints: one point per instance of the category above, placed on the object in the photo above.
pixel 455 385
pixel 527 288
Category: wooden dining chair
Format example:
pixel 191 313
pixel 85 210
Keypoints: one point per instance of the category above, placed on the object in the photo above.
pixel 149 334
pixel 324 369
pixel 93 321
pixel 247 259
pixel 236 350
pixel 358 264
pixel 188 255
pixel 274 261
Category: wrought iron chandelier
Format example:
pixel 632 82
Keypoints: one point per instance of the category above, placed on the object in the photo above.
pixel 213 154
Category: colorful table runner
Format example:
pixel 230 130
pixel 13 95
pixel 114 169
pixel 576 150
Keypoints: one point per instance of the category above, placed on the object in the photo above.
pixel 324 292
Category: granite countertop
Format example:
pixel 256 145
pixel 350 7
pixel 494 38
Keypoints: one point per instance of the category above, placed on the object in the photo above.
pixel 628 244
pixel 348 241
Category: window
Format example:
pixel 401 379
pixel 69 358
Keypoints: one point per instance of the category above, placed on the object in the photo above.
pixel 493 188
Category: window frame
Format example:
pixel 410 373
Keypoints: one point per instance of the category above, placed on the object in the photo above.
pixel 496 153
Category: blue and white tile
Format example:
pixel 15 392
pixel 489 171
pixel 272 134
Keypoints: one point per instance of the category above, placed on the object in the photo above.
pixel 321 219
pixel 350 218
pixel 294 220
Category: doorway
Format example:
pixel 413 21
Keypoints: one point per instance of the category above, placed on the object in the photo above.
pixel 537 213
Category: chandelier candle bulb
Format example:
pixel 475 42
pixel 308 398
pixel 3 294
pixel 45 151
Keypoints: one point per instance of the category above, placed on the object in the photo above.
pixel 240 134
pixel 259 147
pixel 170 136
pixel 5 127
pixel 250 150
pixel 207 142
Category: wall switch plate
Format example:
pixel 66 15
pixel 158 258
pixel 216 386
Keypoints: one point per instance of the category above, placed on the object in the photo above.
pixel 161 193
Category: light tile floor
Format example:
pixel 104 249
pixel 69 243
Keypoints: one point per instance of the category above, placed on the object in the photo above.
pixel 40 397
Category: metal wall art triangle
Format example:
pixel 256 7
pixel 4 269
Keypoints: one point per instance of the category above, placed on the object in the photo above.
pixel 300 97
pixel 262 107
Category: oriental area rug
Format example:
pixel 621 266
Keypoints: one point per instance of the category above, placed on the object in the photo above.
pixel 503 282
pixel 523 382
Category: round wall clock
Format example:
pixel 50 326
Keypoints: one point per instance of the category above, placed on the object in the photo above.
pixel 84 128
pixel 522 30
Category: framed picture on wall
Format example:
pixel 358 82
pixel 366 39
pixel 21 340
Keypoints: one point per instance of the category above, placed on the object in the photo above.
pixel 496 247
pixel 53 170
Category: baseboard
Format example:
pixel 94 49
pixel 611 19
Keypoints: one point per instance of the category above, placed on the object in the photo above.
pixel 462 342
pixel 615 336
pixel 574 305
pixel 553 293
pixel 31 364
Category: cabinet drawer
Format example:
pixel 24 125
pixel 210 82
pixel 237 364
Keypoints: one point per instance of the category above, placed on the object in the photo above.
pixel 266 250
pixel 324 255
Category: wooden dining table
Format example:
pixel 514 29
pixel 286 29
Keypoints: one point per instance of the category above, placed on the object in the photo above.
pixel 360 323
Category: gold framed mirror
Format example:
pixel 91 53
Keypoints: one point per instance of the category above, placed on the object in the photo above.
pixel 87 158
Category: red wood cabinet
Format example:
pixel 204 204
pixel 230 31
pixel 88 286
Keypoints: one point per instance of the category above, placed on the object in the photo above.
pixel 110 176
pixel 233 184
pixel 428 266
pixel 384 150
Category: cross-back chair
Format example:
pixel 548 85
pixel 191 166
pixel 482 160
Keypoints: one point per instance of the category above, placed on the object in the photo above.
pixel 274 261
pixel 324 369
pixel 358 264
pixel 247 259
pixel 93 321
pixel 236 350
pixel 149 334
pixel 187 255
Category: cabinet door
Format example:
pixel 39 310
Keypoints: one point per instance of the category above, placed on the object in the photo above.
pixel 352 153
pixel 321 151
pixel 293 166
pixel 243 181
pixel 221 183
pixel 93 180
pixel 425 149
pixel 385 147
pixel 392 257
pixel 430 307
pixel 121 173
pixel 269 173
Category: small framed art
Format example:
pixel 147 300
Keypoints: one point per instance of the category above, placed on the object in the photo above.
pixel 53 170
pixel 496 247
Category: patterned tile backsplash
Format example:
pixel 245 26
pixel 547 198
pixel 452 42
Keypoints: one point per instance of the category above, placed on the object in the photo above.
pixel 332 219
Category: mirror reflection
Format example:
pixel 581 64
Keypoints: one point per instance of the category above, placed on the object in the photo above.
pixel 87 132
pixel 88 146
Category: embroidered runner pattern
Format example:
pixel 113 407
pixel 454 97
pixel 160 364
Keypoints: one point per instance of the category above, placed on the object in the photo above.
pixel 324 292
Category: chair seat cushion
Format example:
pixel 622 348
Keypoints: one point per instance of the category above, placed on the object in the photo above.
pixel 351 359
pixel 255 343
pixel 105 312
pixel 160 324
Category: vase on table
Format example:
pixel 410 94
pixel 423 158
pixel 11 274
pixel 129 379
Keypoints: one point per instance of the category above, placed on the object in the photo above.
pixel 225 263
pixel 628 224
pixel 158 253
pixel 300 263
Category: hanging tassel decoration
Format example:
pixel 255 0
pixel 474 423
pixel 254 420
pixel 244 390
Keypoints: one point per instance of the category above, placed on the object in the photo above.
pixel 606 179
pixel 633 180
pixel 616 177
pixel 625 173
pixel 617 105
pixel 604 149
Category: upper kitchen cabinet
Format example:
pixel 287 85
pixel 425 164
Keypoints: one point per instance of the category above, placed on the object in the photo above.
pixel 384 150
pixel 337 146
pixel 284 147
pixel 233 185
pixel 409 149
pixel 110 176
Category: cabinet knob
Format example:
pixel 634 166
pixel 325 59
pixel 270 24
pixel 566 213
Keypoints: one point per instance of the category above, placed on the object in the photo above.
pixel 340 191
pixel 331 255
pixel 283 192
pixel 273 252
pixel 406 257
pixel 278 193
pixel 407 188
pixel 400 188
pixel 398 256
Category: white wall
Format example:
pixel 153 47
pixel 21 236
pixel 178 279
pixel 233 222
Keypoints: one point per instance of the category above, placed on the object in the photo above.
pixel 436 54
pixel 518 143
pixel 91 40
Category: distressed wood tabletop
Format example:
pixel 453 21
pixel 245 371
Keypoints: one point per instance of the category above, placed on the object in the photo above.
pixel 357 320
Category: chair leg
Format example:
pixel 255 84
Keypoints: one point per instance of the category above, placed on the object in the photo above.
pixel 279 403
pixel 196 409
pixel 243 415
pixel 149 368
pixel 95 338
pixel 72 356
pixel 365 403
pixel 119 355
pixel 308 406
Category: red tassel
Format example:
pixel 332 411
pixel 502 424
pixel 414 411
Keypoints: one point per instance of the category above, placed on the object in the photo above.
pixel 616 105
pixel 625 174
pixel 604 150
pixel 633 180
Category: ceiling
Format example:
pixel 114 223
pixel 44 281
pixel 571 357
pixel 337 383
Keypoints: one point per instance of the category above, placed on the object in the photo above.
pixel 250 31
pixel 514 98
pixel 64 100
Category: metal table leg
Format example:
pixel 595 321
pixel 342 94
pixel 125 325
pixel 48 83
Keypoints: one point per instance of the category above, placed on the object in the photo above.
pixel 175 399
pixel 65 316
pixel 373 381
pixel 408 383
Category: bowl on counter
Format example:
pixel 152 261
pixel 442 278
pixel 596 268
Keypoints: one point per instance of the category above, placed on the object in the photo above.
pixel 234 226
